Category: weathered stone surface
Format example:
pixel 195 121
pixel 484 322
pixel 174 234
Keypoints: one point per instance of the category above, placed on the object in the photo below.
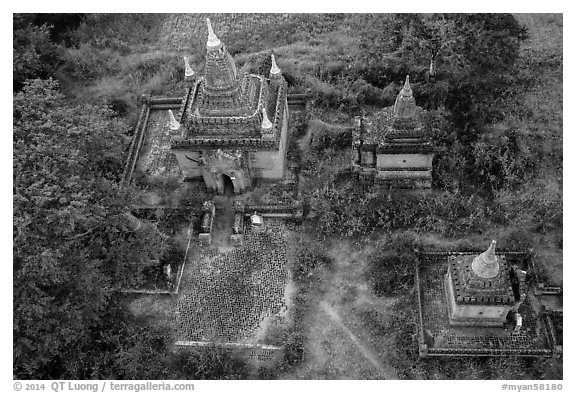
pixel 394 142
pixel 440 337
pixel 227 112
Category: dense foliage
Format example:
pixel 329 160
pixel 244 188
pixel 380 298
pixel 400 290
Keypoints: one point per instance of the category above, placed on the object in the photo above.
pixel 494 112
pixel 391 265
pixel 34 53
pixel 72 248
pixel 68 241
pixel 350 209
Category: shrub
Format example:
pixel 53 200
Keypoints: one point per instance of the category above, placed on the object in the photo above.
pixel 518 239
pixel 329 137
pixel 349 210
pixel 391 265
pixel 87 62
pixel 34 53
pixel 300 124
pixel 309 256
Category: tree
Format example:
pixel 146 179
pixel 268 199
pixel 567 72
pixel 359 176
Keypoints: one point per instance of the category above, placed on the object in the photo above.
pixel 474 58
pixel 67 237
pixel 35 55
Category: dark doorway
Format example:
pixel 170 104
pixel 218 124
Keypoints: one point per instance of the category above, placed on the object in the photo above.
pixel 228 185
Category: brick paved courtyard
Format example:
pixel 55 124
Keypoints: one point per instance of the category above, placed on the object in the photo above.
pixel 230 296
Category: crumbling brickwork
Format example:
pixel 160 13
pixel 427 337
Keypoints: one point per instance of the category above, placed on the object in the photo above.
pixel 157 159
pixel 442 339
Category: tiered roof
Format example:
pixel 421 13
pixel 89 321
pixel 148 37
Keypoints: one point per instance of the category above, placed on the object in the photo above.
pixel 224 109
pixel 397 128
pixel 481 280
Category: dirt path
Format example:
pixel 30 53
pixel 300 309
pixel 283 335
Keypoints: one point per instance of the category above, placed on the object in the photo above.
pixel 346 325
pixel 386 372
pixel 223 222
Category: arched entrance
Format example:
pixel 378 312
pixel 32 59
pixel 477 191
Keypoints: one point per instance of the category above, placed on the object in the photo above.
pixel 228 185
pixel 226 181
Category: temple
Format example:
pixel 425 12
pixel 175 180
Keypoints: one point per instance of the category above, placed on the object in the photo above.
pixel 483 290
pixel 479 304
pixel 391 148
pixel 233 128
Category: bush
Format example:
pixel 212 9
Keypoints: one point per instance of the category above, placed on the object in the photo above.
pixel 327 137
pixel 294 348
pixel 34 53
pixel 309 256
pixel 86 62
pixel 348 210
pixel 391 265
pixel 518 239
pixel 300 124
pixel 210 362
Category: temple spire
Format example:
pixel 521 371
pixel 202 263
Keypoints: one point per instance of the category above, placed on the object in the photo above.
pixel 486 264
pixel 432 71
pixel 266 123
pixel 174 124
pixel 406 87
pixel 213 41
pixel 189 72
pixel 405 105
pixel 274 70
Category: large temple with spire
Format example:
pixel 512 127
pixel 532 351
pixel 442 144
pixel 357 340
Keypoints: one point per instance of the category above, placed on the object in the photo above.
pixel 231 128
pixel 391 148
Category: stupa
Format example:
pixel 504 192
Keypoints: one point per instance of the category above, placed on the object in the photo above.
pixel 483 290
pixel 391 148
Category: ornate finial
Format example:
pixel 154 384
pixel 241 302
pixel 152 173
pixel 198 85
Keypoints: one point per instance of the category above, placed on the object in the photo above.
pixel 405 105
pixel 407 84
pixel 213 41
pixel 174 124
pixel 275 70
pixel 189 72
pixel 266 123
pixel 486 264
pixel 490 253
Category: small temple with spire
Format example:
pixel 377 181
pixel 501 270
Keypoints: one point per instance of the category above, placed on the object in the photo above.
pixel 483 290
pixel 232 128
pixel 391 148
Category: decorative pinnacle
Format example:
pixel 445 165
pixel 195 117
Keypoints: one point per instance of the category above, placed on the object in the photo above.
pixel 486 264
pixel 275 70
pixel 407 84
pixel 405 106
pixel 189 72
pixel 266 123
pixel 174 124
pixel 490 253
pixel 213 41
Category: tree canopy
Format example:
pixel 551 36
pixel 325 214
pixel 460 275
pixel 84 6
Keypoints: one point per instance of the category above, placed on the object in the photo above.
pixel 70 248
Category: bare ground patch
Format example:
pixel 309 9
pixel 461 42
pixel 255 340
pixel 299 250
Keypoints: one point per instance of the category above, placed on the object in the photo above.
pixel 344 326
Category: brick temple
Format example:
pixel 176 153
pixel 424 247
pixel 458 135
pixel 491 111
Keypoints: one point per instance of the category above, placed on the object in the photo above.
pixel 391 148
pixel 483 290
pixel 232 128
pixel 478 304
